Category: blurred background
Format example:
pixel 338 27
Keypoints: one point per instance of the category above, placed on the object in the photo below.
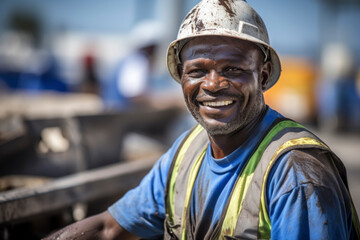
pixel 87 104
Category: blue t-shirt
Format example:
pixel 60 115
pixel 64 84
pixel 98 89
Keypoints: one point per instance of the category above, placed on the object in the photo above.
pixel 299 208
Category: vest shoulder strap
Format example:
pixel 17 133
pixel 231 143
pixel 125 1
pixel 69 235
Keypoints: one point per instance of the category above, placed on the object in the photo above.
pixel 180 182
pixel 253 221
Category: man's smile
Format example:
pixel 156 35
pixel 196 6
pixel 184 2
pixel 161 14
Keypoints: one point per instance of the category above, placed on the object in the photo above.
pixel 217 103
pixel 217 107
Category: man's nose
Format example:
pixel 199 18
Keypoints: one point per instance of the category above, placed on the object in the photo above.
pixel 214 82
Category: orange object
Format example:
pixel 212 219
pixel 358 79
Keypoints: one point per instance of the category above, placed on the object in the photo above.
pixel 294 94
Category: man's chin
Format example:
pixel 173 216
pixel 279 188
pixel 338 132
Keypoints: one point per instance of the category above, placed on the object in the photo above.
pixel 218 128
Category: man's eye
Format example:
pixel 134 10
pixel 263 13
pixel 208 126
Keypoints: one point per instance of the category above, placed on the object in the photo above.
pixel 196 73
pixel 233 70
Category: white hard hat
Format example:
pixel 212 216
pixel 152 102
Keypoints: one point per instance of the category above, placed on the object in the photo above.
pixel 230 18
pixel 146 33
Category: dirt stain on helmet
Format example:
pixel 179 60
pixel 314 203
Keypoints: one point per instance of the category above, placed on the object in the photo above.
pixel 227 5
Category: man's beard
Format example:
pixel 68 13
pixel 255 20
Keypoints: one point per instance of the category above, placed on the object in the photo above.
pixel 235 125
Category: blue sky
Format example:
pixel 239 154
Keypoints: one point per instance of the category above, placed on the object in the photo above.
pixel 295 27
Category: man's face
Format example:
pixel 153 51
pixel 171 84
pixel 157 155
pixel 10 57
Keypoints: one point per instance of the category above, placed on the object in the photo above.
pixel 223 81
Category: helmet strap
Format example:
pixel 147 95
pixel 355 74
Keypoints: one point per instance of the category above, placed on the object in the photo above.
pixel 265 51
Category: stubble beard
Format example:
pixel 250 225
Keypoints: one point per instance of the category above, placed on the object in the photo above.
pixel 241 121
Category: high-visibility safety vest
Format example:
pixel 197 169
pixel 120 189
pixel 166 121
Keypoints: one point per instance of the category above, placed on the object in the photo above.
pixel 245 215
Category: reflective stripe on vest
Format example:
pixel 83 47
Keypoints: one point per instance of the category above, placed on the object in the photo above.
pixel 245 214
pixel 183 164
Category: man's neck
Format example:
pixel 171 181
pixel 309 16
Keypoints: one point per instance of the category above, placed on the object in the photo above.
pixel 223 145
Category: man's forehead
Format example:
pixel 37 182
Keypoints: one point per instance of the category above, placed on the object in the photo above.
pixel 214 45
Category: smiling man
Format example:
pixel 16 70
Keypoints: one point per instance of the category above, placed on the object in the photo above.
pixel 223 80
pixel 245 171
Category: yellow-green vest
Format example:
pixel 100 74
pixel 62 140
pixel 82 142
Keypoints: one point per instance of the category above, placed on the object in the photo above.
pixel 245 215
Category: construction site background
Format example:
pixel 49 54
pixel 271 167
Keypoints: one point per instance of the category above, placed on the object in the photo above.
pixel 84 85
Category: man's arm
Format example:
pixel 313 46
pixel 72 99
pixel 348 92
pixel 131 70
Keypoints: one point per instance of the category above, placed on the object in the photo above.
pixel 101 226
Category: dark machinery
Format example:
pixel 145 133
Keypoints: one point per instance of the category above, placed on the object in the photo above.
pixel 54 171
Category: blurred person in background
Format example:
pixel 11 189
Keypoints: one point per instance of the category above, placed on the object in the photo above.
pixel 90 79
pixel 24 66
pixel 245 171
pixel 339 102
pixel 134 74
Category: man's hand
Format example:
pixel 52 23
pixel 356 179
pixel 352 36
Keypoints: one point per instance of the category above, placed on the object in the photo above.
pixel 101 226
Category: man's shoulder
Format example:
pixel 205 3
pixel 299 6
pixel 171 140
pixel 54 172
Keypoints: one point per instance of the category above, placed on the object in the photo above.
pixel 305 170
pixel 307 166
pixel 313 164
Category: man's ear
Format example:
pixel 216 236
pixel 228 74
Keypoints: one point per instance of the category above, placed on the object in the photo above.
pixel 180 70
pixel 265 75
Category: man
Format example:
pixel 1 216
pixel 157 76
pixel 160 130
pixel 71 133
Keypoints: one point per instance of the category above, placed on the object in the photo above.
pixel 245 172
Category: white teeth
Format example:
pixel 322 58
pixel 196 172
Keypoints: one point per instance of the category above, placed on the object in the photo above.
pixel 217 104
